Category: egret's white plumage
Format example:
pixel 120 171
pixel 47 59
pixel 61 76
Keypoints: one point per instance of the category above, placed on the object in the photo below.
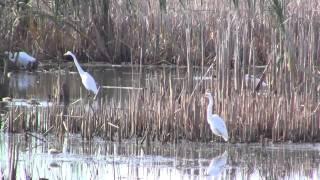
pixel 22 59
pixel 251 80
pixel 217 164
pixel 87 80
pixel 216 123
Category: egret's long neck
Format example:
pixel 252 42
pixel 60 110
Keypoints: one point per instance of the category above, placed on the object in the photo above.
pixel 80 70
pixel 210 105
pixel 11 56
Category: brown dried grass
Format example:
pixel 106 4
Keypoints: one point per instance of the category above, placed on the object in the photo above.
pixel 234 39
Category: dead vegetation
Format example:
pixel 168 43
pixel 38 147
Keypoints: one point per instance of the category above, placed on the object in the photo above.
pixel 282 36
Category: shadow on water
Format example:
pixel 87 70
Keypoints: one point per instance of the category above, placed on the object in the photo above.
pixel 4 91
pixel 100 160
pixel 4 86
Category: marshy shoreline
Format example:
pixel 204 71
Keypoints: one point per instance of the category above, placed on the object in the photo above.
pixel 165 110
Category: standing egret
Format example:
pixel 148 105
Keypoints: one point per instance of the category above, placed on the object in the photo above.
pixel 87 80
pixel 217 124
pixel 22 59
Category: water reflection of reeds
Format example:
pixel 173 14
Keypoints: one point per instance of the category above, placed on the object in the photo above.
pixel 105 159
pixel 282 163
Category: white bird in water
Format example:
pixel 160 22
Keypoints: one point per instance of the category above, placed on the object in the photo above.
pixel 22 59
pixel 53 151
pixel 217 164
pixel 87 80
pixel 251 80
pixel 7 99
pixel 217 124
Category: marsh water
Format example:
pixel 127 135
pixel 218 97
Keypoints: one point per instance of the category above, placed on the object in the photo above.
pixel 100 159
pixel 127 160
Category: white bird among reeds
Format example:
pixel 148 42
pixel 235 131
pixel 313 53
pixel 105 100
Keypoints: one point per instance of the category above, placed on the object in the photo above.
pixel 251 80
pixel 217 124
pixel 22 59
pixel 87 80
pixel 53 151
pixel 217 164
pixel 7 99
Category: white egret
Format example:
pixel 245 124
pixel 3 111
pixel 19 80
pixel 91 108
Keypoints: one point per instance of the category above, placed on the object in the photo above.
pixel 251 80
pixel 217 164
pixel 7 99
pixel 22 59
pixel 217 124
pixel 9 74
pixel 87 80
pixel 53 151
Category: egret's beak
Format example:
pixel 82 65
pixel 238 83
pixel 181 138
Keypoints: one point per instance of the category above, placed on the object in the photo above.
pixel 67 56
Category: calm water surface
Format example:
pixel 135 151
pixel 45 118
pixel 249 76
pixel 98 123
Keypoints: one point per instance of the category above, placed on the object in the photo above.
pixel 110 160
pixel 38 85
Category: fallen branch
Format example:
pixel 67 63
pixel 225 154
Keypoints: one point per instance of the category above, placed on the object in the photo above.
pixel 76 101
pixel 17 117
pixel 65 126
pixel 115 126
pixel 70 116
pixel 39 138
pixel 118 87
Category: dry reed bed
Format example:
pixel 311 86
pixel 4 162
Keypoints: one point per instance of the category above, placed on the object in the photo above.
pixel 148 32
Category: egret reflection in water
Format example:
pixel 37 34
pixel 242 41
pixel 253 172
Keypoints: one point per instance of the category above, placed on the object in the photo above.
pixel 22 81
pixel 217 164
